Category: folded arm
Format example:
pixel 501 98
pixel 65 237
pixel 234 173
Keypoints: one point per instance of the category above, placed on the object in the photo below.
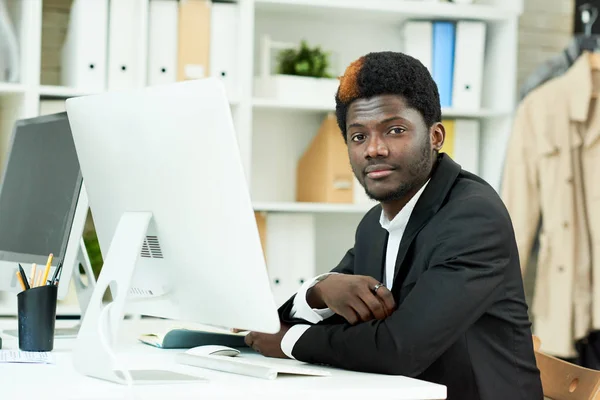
pixel 297 309
pixel 464 278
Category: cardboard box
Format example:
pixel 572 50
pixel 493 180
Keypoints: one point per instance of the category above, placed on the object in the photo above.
pixel 324 174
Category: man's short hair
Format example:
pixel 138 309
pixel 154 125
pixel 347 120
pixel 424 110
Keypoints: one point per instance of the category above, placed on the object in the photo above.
pixel 388 72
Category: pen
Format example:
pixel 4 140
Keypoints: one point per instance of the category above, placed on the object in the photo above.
pixel 56 271
pixel 23 277
pixel 47 269
pixel 20 278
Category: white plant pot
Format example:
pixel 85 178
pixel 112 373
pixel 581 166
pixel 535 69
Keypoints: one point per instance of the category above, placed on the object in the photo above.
pixel 300 90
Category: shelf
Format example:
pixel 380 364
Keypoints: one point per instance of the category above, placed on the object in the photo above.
pixel 271 104
pixel 388 9
pixel 481 113
pixel 61 91
pixel 299 207
pixel 11 88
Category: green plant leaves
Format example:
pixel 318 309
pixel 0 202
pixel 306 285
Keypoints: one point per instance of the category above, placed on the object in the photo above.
pixel 304 61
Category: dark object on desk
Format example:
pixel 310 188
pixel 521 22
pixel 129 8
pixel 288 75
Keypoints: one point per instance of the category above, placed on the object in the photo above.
pixel 36 309
pixel 187 339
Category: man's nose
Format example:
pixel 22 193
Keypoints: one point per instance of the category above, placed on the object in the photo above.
pixel 376 147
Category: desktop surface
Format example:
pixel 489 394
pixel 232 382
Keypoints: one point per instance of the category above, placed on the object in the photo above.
pixel 61 381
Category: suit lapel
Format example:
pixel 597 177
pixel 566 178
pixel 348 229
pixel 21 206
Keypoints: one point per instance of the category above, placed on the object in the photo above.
pixel 429 203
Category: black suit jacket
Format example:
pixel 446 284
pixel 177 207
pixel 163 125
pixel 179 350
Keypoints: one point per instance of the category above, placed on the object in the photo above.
pixel 461 317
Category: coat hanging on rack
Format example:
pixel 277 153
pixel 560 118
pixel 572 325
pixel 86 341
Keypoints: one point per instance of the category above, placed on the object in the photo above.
pixel 551 176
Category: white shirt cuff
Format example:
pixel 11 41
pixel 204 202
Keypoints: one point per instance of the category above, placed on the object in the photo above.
pixel 291 337
pixel 302 310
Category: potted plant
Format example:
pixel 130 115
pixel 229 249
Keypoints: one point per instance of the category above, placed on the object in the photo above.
pixel 304 61
pixel 301 76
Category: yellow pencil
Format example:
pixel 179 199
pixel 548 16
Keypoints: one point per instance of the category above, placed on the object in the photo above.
pixel 33 276
pixel 47 269
pixel 20 278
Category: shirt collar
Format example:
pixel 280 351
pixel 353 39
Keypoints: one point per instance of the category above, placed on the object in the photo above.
pixel 401 219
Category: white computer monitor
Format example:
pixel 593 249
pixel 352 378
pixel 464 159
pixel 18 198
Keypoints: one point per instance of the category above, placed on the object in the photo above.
pixel 173 216
pixel 43 206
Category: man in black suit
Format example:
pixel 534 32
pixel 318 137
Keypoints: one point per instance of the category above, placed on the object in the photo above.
pixel 432 288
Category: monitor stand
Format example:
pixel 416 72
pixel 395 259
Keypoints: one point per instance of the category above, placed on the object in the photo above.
pixel 94 352
pixel 83 290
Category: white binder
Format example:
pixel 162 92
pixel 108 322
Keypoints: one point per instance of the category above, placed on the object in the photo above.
pixel 418 41
pixel 223 46
pixel 466 144
pixel 84 53
pixel 468 65
pixel 126 19
pixel 162 41
pixel 290 253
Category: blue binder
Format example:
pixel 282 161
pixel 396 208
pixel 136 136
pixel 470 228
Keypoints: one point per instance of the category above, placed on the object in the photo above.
pixel 444 34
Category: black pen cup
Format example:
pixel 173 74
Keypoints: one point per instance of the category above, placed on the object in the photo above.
pixel 37 316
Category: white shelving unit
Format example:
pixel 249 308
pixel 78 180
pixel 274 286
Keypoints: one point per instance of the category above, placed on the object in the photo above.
pixel 304 239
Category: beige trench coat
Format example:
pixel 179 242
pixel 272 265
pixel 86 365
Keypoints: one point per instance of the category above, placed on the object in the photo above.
pixel 552 173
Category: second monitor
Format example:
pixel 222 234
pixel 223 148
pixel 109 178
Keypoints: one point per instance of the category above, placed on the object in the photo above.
pixel 43 205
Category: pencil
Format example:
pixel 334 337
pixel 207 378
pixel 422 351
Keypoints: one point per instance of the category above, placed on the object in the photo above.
pixel 33 271
pixel 47 269
pixel 20 278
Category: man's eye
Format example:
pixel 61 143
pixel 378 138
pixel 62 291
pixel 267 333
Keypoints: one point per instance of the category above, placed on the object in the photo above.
pixel 358 137
pixel 397 131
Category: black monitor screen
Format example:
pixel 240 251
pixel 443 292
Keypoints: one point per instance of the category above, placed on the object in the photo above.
pixel 39 192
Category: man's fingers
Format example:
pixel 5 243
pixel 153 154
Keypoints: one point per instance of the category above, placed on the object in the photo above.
pixel 349 315
pixel 387 297
pixel 361 309
pixel 249 339
pixel 382 292
pixel 374 304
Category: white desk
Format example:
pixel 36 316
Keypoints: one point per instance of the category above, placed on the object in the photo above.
pixel 61 381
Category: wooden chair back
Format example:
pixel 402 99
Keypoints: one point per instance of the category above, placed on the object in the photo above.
pixel 562 380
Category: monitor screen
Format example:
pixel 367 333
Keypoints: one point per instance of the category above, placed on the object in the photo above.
pixel 39 190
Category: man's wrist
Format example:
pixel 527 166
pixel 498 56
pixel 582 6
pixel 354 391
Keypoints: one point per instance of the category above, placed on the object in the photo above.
pixel 314 298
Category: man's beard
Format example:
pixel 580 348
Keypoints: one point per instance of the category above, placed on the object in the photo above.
pixel 416 170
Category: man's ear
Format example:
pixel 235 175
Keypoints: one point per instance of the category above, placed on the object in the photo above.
pixel 438 135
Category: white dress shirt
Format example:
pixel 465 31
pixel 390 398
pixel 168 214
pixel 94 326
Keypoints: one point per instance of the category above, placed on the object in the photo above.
pixel 302 310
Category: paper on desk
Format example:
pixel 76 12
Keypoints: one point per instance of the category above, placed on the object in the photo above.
pixel 32 357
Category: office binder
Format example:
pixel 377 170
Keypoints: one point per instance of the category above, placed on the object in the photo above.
pixel 163 18
pixel 126 18
pixel 9 48
pixel 84 52
pixel 418 40
pixel 193 49
pixel 443 60
pixel 290 253
pixel 462 142
pixel 468 65
pixel 223 45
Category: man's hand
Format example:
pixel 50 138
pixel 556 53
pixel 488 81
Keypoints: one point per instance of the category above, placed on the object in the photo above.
pixel 357 298
pixel 269 345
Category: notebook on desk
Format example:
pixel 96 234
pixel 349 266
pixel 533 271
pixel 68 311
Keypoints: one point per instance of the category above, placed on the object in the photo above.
pixel 265 368
pixel 186 337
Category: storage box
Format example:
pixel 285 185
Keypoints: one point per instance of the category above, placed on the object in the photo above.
pixel 324 173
